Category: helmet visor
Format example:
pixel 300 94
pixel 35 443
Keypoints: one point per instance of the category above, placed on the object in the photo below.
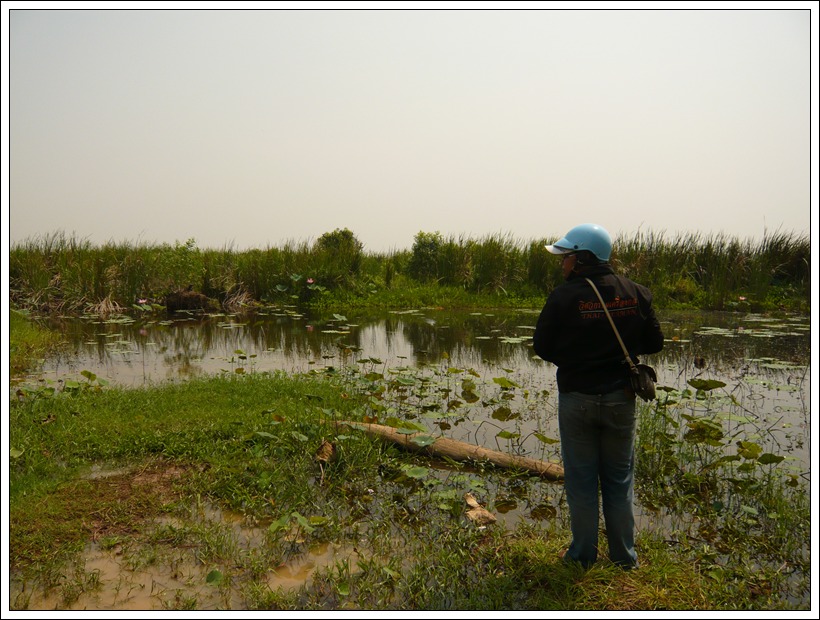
pixel 557 249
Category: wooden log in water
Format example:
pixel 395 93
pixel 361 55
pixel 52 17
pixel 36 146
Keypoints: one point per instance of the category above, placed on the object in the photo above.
pixel 460 451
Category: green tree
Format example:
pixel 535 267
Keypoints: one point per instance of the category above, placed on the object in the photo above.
pixel 339 252
pixel 425 256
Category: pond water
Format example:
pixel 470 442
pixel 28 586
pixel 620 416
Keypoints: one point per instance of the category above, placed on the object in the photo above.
pixel 763 361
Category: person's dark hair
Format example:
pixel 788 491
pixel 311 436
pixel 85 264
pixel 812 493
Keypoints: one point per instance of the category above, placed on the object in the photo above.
pixel 585 258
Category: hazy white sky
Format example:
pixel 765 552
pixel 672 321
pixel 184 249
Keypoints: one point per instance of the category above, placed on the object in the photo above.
pixel 249 128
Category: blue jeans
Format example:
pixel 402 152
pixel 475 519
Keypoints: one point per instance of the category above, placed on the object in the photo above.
pixel 598 445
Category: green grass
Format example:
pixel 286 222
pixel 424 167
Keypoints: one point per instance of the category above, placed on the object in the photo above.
pixel 247 443
pixel 28 343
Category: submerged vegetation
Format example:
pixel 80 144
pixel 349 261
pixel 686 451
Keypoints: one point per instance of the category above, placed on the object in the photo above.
pixel 250 444
pixel 57 273
pixel 108 485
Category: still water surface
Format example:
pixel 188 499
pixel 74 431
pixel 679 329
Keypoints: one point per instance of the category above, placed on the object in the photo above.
pixel 764 361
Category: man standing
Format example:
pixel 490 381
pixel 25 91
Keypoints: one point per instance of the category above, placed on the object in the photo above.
pixel 596 405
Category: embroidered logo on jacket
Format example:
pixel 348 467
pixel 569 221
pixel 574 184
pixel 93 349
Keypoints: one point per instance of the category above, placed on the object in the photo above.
pixel 617 307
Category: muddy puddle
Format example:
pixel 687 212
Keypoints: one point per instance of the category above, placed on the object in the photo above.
pixel 110 582
pixel 156 571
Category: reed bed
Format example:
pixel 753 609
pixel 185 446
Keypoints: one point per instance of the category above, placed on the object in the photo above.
pixel 59 273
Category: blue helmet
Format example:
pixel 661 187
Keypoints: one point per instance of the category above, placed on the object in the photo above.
pixel 590 237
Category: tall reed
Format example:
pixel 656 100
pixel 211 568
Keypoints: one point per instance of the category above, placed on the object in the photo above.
pixel 712 272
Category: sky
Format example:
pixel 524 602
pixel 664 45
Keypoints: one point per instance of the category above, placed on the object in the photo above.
pixel 255 128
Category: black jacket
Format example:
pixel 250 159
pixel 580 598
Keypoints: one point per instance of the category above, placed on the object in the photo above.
pixel 573 332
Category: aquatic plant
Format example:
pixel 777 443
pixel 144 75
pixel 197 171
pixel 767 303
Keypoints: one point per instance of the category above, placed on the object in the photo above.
pixel 58 273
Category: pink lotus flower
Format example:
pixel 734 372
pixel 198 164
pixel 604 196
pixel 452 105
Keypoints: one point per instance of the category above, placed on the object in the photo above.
pixel 310 280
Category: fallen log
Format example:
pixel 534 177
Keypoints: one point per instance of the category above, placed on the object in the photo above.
pixel 459 450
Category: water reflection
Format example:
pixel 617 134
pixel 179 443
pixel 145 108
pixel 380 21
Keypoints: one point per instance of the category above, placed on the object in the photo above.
pixel 143 350
pixel 763 361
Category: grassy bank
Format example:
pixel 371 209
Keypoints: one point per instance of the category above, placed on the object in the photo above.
pixel 28 343
pixel 137 475
pixel 717 272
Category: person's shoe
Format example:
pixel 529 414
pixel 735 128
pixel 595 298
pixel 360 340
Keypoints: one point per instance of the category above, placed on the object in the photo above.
pixel 562 555
pixel 627 566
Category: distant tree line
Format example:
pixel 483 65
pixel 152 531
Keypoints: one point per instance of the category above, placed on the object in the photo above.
pixel 716 272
